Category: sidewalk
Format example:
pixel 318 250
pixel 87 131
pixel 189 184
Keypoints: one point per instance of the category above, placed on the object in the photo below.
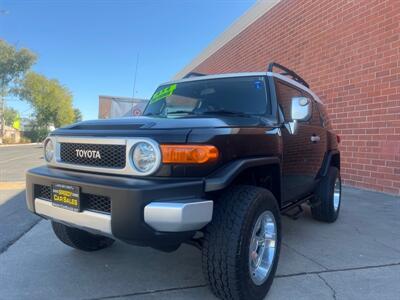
pixel 356 258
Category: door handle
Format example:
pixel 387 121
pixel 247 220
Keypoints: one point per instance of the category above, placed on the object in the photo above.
pixel 315 138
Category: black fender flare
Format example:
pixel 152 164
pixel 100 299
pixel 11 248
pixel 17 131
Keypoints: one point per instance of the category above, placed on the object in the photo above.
pixel 327 162
pixel 224 176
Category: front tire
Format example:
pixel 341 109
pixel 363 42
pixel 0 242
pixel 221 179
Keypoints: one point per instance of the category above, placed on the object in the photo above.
pixel 80 239
pixel 242 243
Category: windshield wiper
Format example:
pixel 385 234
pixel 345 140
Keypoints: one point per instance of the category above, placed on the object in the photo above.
pixel 169 113
pixel 226 112
pixel 181 112
pixel 211 112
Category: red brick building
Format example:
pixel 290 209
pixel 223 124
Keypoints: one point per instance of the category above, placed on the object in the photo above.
pixel 349 52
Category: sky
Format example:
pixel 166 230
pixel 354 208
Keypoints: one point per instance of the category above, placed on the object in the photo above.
pixel 91 46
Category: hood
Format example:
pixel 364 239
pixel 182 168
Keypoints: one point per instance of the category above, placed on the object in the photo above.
pixel 137 123
pixel 163 130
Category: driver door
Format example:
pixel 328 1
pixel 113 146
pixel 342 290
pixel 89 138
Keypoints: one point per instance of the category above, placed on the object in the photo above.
pixel 304 141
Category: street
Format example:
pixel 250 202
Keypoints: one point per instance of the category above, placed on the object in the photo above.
pixel 15 160
pixel 358 257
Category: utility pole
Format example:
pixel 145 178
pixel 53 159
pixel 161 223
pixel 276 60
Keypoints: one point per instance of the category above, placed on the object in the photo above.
pixel 2 99
pixel 2 119
pixel 134 79
pixel 134 82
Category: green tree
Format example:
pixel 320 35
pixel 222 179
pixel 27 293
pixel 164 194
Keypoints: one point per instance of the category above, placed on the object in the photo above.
pixel 13 65
pixel 10 116
pixel 78 115
pixel 51 101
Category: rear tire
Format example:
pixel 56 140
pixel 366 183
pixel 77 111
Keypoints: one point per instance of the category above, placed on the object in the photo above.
pixel 328 197
pixel 80 239
pixel 229 258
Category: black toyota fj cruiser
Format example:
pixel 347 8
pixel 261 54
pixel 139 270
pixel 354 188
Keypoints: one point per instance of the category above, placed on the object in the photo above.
pixel 214 162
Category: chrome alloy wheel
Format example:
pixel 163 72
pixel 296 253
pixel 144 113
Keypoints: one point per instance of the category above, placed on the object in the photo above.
pixel 262 247
pixel 337 194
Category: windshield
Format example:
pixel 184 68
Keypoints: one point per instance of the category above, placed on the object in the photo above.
pixel 230 96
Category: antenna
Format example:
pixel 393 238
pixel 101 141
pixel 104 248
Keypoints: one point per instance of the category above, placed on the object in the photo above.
pixel 134 79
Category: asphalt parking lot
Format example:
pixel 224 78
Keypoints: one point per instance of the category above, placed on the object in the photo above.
pixel 15 160
pixel 358 257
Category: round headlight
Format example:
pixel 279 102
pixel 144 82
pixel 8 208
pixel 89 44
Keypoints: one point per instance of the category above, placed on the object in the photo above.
pixel 144 157
pixel 48 150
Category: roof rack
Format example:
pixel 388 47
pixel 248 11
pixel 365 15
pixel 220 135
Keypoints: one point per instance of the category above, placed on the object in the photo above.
pixel 193 74
pixel 287 72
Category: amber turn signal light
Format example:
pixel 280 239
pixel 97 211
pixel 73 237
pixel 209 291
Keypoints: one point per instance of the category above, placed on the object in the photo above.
pixel 188 154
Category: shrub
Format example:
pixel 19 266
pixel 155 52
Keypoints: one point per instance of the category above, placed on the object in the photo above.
pixel 37 135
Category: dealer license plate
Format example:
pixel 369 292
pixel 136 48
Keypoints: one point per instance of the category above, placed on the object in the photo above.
pixel 66 196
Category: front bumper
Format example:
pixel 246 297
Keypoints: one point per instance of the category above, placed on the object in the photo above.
pixel 150 212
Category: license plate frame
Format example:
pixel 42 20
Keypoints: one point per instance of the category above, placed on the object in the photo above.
pixel 66 196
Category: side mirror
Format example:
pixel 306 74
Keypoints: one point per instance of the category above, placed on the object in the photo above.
pixel 301 109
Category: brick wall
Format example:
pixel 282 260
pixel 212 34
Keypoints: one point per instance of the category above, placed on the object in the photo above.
pixel 349 52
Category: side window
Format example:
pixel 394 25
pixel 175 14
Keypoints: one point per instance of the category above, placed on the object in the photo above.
pixel 285 94
pixel 315 119
pixel 297 104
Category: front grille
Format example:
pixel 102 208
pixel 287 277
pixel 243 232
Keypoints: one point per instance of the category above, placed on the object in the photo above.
pixel 90 202
pixel 95 203
pixel 42 191
pixel 111 156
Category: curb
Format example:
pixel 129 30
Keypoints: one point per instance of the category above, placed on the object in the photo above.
pixel 13 185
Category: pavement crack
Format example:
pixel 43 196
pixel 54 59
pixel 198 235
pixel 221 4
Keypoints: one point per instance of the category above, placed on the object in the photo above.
pixel 358 230
pixel 318 273
pixel 148 292
pixel 338 270
pixel 328 285
pixel 376 240
pixel 305 256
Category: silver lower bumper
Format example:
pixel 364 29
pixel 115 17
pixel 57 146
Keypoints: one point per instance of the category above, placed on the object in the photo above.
pixel 178 216
pixel 88 220
pixel 161 216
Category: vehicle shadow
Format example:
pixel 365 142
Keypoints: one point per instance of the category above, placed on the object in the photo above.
pixel 15 219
